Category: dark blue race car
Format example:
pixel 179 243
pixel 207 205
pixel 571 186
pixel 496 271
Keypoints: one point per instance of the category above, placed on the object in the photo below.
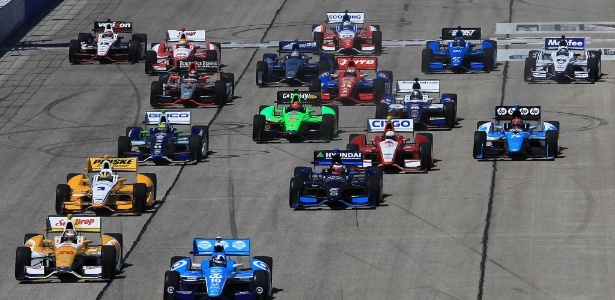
pixel 458 55
pixel 516 138
pixel 219 277
pixel 164 143
pixel 292 66
pixel 341 184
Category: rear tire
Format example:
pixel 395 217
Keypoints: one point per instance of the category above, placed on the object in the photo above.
pixel 328 127
pixel 139 195
pixel 123 146
pixel 314 85
pixel 323 66
pixel 296 187
pixel 156 90
pixel 379 89
pixel 488 57
pixel 425 155
pixel 23 258
pixel 261 71
pixel 171 284
pixel 107 257
pixel 133 51
pixel 530 63
pixel 592 65
pixel 73 49
pixel 450 114
pixel 382 110
pixel 319 37
pixel 151 57
pixel 377 41
pixel 258 127
pixel 551 143
pixel 427 57
pixel 205 137
pixel 373 191
pixel 221 93
pixel 480 140
pixel 195 143
pixel 63 192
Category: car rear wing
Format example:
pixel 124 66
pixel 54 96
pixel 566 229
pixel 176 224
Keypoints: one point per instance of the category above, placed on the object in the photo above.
pixel 428 85
pixel 122 164
pixel 172 117
pixel 80 224
pixel 308 98
pixel 326 157
pixel 303 46
pixel 338 17
pixel 398 125
pixel 527 113
pixel 116 26
pixel 190 35
pixel 207 246
pixel 470 33
pixel 361 63
pixel 571 43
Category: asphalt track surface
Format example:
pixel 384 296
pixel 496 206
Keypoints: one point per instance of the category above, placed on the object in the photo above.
pixel 467 230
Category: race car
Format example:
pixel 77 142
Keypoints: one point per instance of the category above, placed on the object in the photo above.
pixel 292 65
pixel 350 86
pixel 164 143
pixel 106 45
pixel 219 277
pixel 515 137
pixel 291 118
pixel 392 151
pixel 183 45
pixel 191 88
pixel 562 64
pixel 69 255
pixel 455 52
pixel 342 183
pixel 349 34
pixel 411 101
pixel 104 189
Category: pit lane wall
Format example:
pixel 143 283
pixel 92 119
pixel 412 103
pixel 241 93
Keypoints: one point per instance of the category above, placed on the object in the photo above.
pixel 14 13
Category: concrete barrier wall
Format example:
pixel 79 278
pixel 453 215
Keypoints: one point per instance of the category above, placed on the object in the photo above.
pixel 14 13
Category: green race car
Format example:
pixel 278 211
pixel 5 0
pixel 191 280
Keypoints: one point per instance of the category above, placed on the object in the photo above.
pixel 291 118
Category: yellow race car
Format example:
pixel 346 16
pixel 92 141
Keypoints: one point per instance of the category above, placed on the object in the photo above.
pixel 71 255
pixel 102 190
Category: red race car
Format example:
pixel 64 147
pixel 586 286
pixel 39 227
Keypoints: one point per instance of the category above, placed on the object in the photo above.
pixel 181 47
pixel 392 151
pixel 345 36
pixel 350 85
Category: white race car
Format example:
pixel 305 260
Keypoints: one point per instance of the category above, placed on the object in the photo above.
pixel 106 45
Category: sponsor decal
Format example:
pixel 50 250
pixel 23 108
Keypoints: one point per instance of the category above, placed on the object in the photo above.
pixel 303 96
pixel 397 123
pixel 239 245
pixel 117 161
pixel 168 115
pixel 502 111
pixel 170 290
pixel 534 111
pixel 76 222
pixel 68 252
pixel 204 245
pixel 465 32
pixel 116 24
pixel 199 63
pixel 101 188
pixel 259 290
pixel 358 61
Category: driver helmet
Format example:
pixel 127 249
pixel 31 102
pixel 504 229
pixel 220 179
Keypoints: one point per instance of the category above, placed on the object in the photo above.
pixel 105 175
pixel 108 34
pixel 416 95
pixel 163 127
pixel 296 105
pixel 182 43
pixel 562 51
pixel 516 122
pixel 459 42
pixel 295 54
pixel 351 72
pixel 69 236
pixel 346 25
pixel 337 169
pixel 390 135
pixel 219 260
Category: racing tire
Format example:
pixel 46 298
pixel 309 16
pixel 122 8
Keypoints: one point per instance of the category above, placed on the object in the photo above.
pixel 551 143
pixel 261 285
pixel 221 93
pixel 123 146
pixel 142 39
pixel 479 123
pixel 120 239
pixel 352 147
pixel 426 58
pixel 73 48
pixel 319 37
pixel 205 137
pixel 133 51
pixel 195 144
pixel 295 189
pixel 268 260
pixel 175 259
pixel 63 193
pixel 28 236
pixel 450 114
pixel 261 70
pixel 107 258
pixel 171 284
pixel 373 191
pixel 382 110
pixel 480 141
pixel 151 57
pixel 323 66
pixel 71 175
pixel 379 89
pixel 428 136
pixel 219 47
pixel 258 127
pixel 425 155
pixel 488 57
pixel 154 179
pixel 156 90
pixel 530 63
pixel 357 43
pixel 23 258
pixel 139 195
pixel 211 55
pixel 315 85
pixel 85 37
pixel 377 41
pixel 593 70
pixel 335 109
pixel 328 127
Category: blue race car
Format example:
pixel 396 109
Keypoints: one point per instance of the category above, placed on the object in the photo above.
pixel 164 143
pixel 341 184
pixel 219 277
pixel 411 101
pixel 516 139
pixel 292 65
pixel 459 55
